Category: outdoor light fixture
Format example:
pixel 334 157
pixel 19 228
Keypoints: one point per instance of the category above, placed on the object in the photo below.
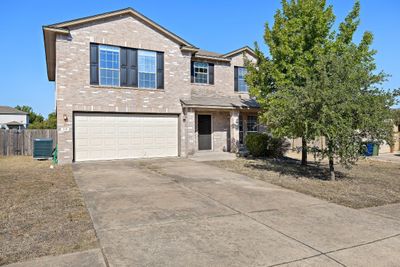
pixel 65 117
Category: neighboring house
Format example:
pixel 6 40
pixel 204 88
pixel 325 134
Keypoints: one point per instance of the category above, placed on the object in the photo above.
pixel 11 118
pixel 128 88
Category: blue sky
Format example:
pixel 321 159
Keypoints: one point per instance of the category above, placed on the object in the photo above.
pixel 218 26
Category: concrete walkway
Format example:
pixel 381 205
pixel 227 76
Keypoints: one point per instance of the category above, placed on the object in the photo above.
pixel 391 211
pixel 87 258
pixel 211 156
pixel 179 212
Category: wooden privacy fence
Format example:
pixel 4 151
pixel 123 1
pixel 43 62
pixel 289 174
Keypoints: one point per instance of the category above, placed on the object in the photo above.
pixel 20 142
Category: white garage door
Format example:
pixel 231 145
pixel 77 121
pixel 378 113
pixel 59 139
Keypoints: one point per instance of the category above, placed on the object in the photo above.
pixel 122 136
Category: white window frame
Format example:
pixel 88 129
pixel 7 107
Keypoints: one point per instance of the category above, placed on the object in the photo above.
pixel 242 79
pixel 247 124
pixel 155 68
pixel 207 68
pixel 112 49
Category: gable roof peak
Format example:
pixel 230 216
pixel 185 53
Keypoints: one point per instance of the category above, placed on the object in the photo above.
pixel 240 50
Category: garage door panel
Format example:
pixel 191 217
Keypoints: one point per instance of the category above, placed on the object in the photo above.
pixel 117 136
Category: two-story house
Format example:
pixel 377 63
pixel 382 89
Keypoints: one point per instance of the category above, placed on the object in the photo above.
pixel 128 88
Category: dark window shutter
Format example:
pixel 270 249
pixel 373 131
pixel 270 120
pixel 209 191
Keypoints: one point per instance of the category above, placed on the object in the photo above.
pixel 160 70
pixel 236 79
pixel 192 72
pixel 94 64
pixel 210 73
pixel 132 67
pixel 123 67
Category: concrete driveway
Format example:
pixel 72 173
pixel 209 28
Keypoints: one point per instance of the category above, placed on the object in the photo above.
pixel 178 212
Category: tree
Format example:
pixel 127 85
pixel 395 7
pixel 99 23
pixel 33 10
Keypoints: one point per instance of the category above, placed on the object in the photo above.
pixel 52 121
pixel 351 110
pixel 37 121
pixel 345 89
pixel 33 117
pixel 300 31
pixel 335 92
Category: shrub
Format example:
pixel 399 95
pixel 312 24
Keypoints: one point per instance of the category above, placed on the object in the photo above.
pixel 257 144
pixel 263 145
pixel 277 147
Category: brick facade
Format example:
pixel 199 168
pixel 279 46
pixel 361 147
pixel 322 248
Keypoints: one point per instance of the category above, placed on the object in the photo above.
pixel 74 92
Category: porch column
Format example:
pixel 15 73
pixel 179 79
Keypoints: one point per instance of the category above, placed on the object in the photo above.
pixel 234 127
pixel 190 132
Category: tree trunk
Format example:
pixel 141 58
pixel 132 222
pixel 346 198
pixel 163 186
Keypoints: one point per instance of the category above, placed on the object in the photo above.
pixel 331 169
pixel 303 151
pixel 331 162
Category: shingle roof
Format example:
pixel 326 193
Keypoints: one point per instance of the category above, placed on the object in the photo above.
pixel 10 110
pixel 14 123
pixel 208 53
pixel 221 102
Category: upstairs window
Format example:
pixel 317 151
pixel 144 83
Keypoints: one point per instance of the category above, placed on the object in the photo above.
pixel 242 86
pixel 126 67
pixel 200 72
pixel 252 125
pixel 109 65
pixel 147 69
pixel 240 82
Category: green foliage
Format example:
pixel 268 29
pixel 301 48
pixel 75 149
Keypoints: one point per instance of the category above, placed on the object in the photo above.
pixel 52 121
pixel 263 145
pixel 350 108
pixel 300 32
pixel 33 117
pixel 257 144
pixel 37 121
pixel 318 82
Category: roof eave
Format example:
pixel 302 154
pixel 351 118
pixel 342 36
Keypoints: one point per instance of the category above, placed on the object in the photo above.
pixel 121 12
pixel 49 35
pixel 189 49
pixel 202 57
pixel 217 106
pixel 240 50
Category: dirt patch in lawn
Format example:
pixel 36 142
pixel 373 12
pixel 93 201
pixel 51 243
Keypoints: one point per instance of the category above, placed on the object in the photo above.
pixel 41 211
pixel 368 184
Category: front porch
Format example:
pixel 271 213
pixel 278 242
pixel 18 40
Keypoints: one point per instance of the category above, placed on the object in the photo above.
pixel 220 127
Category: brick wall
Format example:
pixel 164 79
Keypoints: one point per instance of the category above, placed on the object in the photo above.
pixel 74 93
pixel 223 80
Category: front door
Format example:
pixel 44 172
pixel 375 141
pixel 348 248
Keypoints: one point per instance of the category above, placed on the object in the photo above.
pixel 204 126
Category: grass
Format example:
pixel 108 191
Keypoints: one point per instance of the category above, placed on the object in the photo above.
pixel 367 184
pixel 41 211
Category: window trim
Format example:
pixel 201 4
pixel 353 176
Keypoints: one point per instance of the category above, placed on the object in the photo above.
pixel 239 68
pixel 111 48
pixel 119 47
pixel 256 124
pixel 155 70
pixel 208 73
